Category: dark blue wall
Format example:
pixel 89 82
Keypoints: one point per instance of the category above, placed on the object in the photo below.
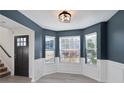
pixel 110 35
pixel 40 35
pixel 116 37
pixel 94 28
pixel 101 39
pixel 39 31
pixel 104 41
pixel 40 42
pixel 69 32
pixel 57 46
pixel 38 45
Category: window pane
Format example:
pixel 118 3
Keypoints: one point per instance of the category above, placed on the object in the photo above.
pixel 24 39
pixel 69 49
pixel 21 39
pixel 50 48
pixel 18 39
pixel 21 44
pixel 18 44
pixel 24 43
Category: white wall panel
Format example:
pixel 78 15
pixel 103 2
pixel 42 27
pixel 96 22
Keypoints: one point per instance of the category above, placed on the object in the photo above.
pixel 115 73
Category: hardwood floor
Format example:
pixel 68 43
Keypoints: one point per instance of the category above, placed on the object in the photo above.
pixel 65 78
pixel 52 78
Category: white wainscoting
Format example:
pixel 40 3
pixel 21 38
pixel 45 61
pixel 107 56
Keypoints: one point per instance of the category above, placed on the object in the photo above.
pixel 49 68
pixel 74 68
pixel 97 72
pixel 40 69
pixel 91 70
pixel 37 69
pixel 115 72
pixel 104 71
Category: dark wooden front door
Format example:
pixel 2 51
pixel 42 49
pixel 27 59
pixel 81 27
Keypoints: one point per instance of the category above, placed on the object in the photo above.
pixel 22 55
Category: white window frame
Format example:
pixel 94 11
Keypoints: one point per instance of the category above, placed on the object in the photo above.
pixel 60 38
pixel 46 50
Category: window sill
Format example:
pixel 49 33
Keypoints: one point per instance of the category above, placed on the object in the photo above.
pixel 92 65
pixel 69 62
pixel 49 62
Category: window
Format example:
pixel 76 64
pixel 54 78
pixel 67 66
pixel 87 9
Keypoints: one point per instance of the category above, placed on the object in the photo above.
pixel 91 48
pixel 21 42
pixel 70 49
pixel 50 49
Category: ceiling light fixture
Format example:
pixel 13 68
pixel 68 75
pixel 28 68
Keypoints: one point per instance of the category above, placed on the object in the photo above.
pixel 64 17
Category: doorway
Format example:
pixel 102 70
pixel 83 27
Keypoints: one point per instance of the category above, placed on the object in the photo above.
pixel 22 55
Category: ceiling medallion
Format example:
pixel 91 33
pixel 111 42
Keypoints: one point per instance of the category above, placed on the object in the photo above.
pixel 64 17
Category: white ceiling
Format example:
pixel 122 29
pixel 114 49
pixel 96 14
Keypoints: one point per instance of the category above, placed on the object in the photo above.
pixel 10 24
pixel 80 18
pixel 7 23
